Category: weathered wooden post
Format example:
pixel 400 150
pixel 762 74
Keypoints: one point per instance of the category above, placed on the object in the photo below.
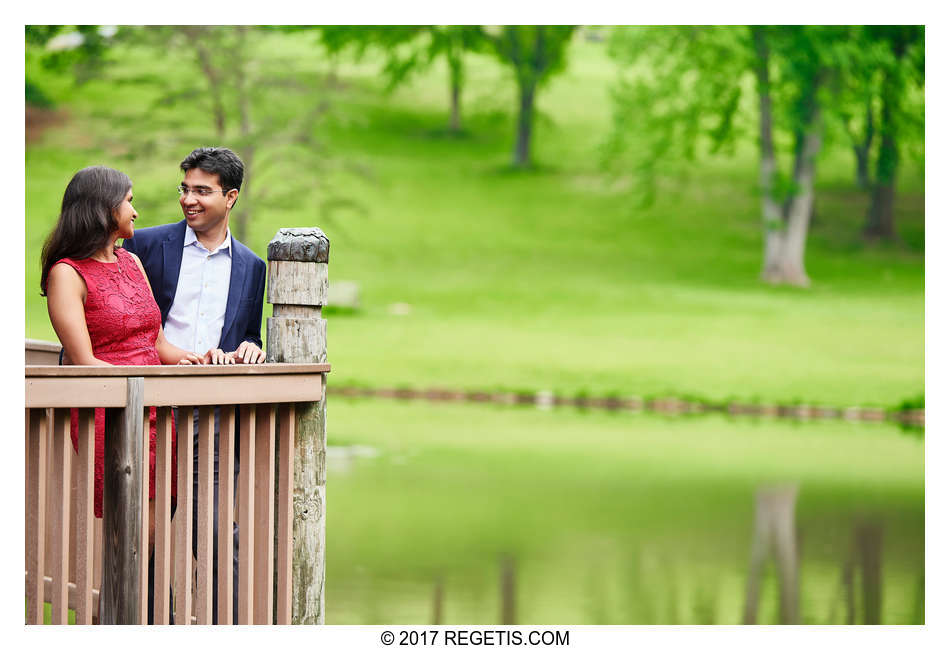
pixel 125 537
pixel 297 287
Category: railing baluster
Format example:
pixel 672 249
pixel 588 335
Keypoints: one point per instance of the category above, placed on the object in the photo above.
pixel 246 517
pixel 84 464
pixel 205 498
pixel 62 457
pixel 183 517
pixel 285 512
pixel 264 516
pixel 163 489
pixel 50 495
pixel 145 517
pixel 97 565
pixel 36 430
pixel 226 516
pixel 74 480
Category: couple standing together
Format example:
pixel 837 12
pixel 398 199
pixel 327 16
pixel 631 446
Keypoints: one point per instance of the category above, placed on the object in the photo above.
pixel 182 293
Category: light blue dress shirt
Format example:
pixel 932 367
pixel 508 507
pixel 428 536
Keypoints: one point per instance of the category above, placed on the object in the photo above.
pixel 196 316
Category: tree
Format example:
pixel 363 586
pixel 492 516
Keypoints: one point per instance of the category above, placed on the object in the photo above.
pixel 901 67
pixel 241 90
pixel 535 54
pixel 804 67
pixel 684 86
pixel 410 50
pixel 879 99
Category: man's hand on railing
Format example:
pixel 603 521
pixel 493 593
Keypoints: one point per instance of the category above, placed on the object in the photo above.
pixel 218 357
pixel 248 352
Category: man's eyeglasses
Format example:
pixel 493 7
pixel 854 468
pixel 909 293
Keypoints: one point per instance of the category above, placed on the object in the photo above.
pixel 199 191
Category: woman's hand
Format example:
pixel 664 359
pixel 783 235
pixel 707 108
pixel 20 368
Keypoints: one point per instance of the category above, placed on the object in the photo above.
pixel 190 359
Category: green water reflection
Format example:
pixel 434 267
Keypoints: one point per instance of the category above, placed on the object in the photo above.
pixel 606 517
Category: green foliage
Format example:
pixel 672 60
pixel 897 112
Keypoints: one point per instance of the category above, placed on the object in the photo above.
pixel 36 97
pixel 911 403
pixel 534 52
pixel 84 59
pixel 410 50
pixel 406 50
pixel 678 88
pixel 681 88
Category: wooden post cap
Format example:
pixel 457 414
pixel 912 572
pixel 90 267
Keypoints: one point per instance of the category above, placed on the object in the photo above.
pixel 299 245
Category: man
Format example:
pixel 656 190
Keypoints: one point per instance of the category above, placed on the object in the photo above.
pixel 208 286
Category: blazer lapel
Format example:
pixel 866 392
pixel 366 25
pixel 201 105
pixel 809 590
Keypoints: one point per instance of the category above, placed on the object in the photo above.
pixel 235 291
pixel 171 252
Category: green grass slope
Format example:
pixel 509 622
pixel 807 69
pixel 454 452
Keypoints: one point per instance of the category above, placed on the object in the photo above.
pixel 548 279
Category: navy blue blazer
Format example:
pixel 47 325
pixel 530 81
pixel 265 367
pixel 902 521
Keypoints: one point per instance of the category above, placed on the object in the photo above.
pixel 160 249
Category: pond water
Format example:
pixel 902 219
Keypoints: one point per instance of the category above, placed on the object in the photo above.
pixel 474 514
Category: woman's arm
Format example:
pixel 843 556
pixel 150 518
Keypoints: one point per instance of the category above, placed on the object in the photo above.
pixel 172 354
pixel 65 301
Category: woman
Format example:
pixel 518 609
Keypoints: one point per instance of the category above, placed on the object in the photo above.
pixel 98 296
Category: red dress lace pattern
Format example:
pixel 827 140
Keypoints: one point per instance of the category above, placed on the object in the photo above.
pixel 123 322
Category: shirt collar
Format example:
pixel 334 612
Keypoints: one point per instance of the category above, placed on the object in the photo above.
pixel 192 239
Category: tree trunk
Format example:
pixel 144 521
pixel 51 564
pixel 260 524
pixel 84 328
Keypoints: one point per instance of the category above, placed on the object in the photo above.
pixel 525 122
pixel 869 538
pixel 243 216
pixel 455 76
pixel 880 218
pixel 196 36
pixel 771 210
pixel 792 262
pixel 880 222
pixel 785 230
pixel 861 166
pixel 862 151
pixel 800 142
pixel 774 533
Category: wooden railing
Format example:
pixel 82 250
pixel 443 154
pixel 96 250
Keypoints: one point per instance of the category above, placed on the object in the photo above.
pixel 74 561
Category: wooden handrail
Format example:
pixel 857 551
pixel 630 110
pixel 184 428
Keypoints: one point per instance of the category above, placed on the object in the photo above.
pixel 105 386
pixel 177 371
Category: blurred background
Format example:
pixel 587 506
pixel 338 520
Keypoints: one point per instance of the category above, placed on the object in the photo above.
pixel 627 323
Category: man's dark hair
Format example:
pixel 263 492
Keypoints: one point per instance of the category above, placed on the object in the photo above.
pixel 217 160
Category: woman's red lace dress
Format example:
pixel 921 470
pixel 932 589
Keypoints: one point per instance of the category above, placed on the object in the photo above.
pixel 123 322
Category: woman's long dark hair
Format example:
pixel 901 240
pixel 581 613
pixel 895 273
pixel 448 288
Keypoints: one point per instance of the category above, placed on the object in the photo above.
pixel 86 219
